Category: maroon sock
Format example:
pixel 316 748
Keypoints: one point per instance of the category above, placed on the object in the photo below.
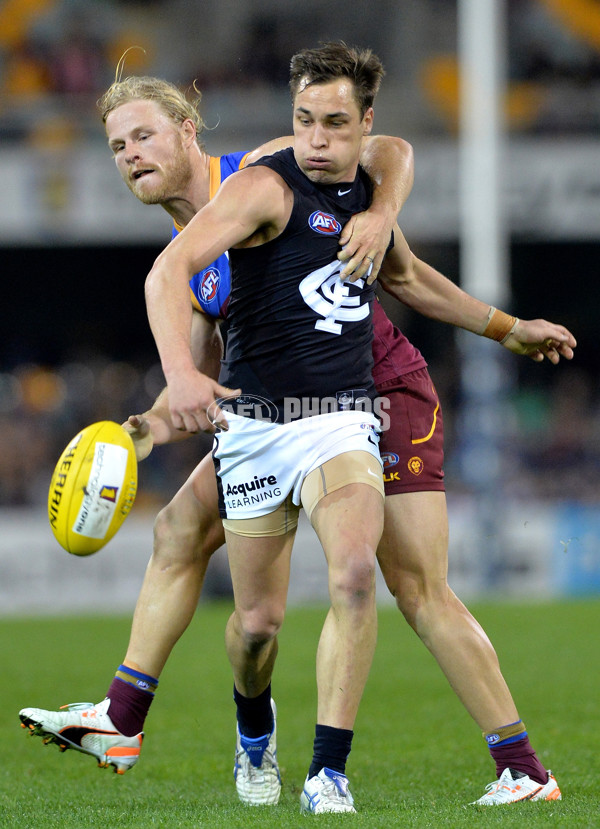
pixel 128 707
pixel 521 757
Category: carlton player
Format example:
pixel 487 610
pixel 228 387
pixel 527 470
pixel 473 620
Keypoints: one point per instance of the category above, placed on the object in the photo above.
pixel 280 220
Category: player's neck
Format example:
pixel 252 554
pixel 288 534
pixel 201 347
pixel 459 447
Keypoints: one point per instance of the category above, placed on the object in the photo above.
pixel 183 207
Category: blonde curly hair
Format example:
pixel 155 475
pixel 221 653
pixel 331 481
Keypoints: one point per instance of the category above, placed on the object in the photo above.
pixel 145 88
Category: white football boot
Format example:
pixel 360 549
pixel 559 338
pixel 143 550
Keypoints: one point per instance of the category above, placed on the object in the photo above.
pixel 327 791
pixel 514 787
pixel 256 772
pixel 85 727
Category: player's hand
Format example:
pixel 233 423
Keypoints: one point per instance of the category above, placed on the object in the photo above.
pixel 538 339
pixel 139 428
pixel 193 403
pixel 364 240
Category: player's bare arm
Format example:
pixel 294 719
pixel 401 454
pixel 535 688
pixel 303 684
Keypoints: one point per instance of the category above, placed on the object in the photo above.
pixel 422 288
pixel 389 163
pixel 155 427
pixel 251 207
pixel 206 343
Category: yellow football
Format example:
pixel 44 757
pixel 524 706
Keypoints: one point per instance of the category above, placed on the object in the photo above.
pixel 93 488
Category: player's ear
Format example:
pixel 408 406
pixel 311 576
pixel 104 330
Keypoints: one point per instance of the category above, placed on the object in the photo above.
pixel 188 131
pixel 368 121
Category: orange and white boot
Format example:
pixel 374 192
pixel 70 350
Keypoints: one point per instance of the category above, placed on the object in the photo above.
pixel 87 728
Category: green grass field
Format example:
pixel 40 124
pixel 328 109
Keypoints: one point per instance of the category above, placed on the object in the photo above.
pixel 417 760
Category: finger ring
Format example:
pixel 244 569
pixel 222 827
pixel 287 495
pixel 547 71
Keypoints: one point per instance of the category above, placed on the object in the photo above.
pixel 370 258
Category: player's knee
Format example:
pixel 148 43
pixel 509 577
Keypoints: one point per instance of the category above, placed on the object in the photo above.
pixel 418 599
pixel 259 627
pixel 177 542
pixel 353 583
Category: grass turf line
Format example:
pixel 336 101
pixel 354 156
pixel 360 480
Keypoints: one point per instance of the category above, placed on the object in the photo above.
pixel 417 759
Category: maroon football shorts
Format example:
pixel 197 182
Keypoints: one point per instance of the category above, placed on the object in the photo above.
pixel 412 448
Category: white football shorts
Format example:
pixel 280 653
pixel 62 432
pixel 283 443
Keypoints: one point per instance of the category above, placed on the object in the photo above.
pixel 259 463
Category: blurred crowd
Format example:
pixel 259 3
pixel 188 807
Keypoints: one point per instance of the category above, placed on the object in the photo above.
pixel 43 408
pixel 551 440
pixel 58 56
pixel 558 440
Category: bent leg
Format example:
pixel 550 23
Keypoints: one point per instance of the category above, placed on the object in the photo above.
pixel 413 556
pixel 186 533
pixel 260 572
pixel 260 569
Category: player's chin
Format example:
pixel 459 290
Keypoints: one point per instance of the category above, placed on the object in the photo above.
pixel 319 173
pixel 146 193
pixel 147 196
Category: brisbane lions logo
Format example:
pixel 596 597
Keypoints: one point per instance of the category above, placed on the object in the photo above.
pixel 415 465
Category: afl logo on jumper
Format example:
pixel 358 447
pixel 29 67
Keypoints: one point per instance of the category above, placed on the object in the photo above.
pixel 209 285
pixel 389 459
pixel 324 223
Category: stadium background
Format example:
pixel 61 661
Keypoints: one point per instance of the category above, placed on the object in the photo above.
pixel 75 248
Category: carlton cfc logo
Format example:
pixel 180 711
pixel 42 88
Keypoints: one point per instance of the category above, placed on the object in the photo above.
pixel 324 223
pixel 210 284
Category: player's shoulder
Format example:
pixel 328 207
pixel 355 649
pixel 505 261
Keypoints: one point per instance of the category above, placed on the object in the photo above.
pixel 232 162
pixel 284 165
pixel 255 198
pixel 255 182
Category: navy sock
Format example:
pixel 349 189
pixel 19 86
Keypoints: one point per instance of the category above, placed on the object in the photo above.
pixel 331 749
pixel 254 714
